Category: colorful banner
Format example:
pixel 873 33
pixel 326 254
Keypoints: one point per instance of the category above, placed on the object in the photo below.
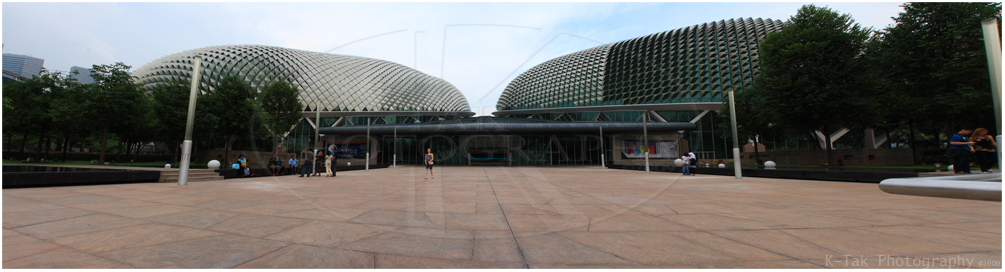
pixel 657 149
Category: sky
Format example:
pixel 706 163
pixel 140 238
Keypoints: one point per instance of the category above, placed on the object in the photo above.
pixel 479 47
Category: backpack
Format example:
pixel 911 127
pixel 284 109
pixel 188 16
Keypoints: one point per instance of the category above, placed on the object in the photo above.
pixel 692 161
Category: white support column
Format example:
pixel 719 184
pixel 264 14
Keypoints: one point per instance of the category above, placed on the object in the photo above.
pixel 870 139
pixel 700 115
pixel 834 137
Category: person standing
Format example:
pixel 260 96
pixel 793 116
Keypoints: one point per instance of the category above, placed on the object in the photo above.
pixel 333 151
pixel 308 167
pixel 985 149
pixel 328 165
pixel 693 162
pixel 960 146
pixel 429 163
pixel 687 164
pixel 319 160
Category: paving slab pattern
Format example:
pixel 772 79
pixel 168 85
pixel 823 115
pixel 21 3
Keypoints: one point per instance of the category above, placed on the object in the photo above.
pixel 495 217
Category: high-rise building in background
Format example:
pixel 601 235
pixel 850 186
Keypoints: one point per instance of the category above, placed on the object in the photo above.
pixel 25 66
pixel 83 75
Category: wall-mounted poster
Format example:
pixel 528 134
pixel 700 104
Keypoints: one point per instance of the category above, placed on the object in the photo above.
pixel 658 149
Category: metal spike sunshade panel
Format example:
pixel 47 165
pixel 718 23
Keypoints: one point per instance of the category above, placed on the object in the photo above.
pixel 341 82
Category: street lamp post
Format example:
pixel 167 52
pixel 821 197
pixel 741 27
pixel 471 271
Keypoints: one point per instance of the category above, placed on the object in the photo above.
pixel 645 136
pixel 602 162
pixel 186 145
pixel 367 144
pixel 317 132
pixel 736 142
pixel 993 46
pixel 394 160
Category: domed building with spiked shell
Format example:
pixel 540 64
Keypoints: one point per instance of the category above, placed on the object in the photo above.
pixel 583 108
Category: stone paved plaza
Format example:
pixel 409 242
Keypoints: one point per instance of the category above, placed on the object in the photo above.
pixel 495 217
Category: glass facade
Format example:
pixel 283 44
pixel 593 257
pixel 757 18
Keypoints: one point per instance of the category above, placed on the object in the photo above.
pixel 25 66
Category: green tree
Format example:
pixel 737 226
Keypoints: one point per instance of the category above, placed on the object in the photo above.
pixel 135 131
pixel 114 99
pixel 232 102
pixel 66 109
pixel 171 109
pixel 936 66
pixel 753 121
pixel 812 74
pixel 33 98
pixel 170 106
pixel 281 107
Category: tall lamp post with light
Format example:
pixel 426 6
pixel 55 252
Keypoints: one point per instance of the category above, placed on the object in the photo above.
pixel 186 145
pixel 736 141
pixel 317 131
pixel 993 47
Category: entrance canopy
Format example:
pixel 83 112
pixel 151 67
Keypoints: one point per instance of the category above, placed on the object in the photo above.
pixel 504 128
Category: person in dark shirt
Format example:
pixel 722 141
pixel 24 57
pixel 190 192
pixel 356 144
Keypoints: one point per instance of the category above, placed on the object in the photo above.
pixel 985 148
pixel 961 146
pixel 319 160
pixel 308 164
pixel 275 164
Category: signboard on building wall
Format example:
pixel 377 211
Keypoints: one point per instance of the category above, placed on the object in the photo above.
pixel 658 149
pixel 350 150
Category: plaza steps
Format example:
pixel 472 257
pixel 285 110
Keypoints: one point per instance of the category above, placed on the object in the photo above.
pixel 193 175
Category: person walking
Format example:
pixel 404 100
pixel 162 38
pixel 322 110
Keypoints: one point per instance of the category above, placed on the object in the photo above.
pixel 985 149
pixel 960 146
pixel 429 163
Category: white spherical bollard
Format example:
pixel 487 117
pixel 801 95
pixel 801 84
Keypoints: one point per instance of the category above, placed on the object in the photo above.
pixel 722 165
pixel 769 165
pixel 348 164
pixel 167 165
pixel 951 168
pixel 706 165
pixel 678 162
pixel 213 164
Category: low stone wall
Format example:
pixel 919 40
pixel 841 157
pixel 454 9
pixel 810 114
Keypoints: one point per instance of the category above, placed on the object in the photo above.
pixel 847 157
pixel 254 157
